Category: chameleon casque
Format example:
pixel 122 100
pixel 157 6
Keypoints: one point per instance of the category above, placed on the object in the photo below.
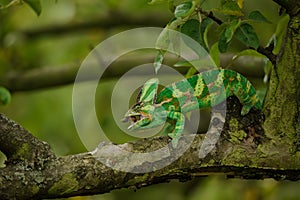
pixel 203 90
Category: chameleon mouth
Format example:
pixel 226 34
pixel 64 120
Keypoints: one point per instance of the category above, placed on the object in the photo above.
pixel 133 119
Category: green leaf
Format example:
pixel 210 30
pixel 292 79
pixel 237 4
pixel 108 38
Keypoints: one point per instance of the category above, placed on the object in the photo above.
pixel 230 30
pixel 163 40
pixel 198 31
pixel 230 7
pixel 267 70
pixel 4 96
pixel 201 64
pixel 246 34
pixel 227 35
pixel 240 3
pixel 158 60
pixel 205 25
pixel 280 33
pixel 183 63
pixel 192 29
pixel 215 54
pixel 248 52
pixel 35 5
pixel 184 9
pixel 258 17
pixel 153 2
pixel 223 44
pixel 192 71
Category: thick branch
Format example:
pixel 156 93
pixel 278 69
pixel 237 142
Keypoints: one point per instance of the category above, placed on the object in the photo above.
pixel 241 151
pixel 20 145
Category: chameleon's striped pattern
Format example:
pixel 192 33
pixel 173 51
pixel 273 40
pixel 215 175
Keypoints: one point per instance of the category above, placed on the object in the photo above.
pixel 203 90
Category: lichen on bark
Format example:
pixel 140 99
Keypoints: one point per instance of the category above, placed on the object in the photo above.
pixel 282 102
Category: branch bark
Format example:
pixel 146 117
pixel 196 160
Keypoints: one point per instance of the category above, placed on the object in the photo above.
pixel 291 6
pixel 243 150
pixel 282 102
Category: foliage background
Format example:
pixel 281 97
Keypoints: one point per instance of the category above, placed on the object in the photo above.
pixel 47 113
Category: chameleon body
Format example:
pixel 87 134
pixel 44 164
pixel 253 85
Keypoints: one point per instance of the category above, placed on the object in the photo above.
pixel 203 90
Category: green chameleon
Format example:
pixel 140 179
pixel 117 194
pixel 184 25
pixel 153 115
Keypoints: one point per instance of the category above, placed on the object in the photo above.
pixel 203 90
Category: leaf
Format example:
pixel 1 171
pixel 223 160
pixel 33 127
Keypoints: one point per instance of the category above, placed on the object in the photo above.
pixel 227 35
pixel 215 54
pixel 248 52
pixel 201 64
pixel 183 64
pixel 191 28
pixel 280 33
pixel 258 17
pixel 240 3
pixel 205 25
pixel 223 44
pixel 267 70
pixel 184 9
pixel 198 31
pixel 35 5
pixel 190 72
pixel 230 30
pixel 153 2
pixel 163 40
pixel 5 96
pixel 246 34
pixel 230 8
pixel 158 60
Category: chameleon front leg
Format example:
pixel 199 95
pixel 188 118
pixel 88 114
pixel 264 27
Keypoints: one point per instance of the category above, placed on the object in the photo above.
pixel 179 125
pixel 177 131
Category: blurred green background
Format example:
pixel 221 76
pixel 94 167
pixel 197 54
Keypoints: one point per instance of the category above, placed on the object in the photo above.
pixel 29 42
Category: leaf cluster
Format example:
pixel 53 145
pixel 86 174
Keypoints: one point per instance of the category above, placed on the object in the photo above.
pixel 192 19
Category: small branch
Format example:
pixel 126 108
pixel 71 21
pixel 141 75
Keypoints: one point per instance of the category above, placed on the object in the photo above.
pixel 211 16
pixel 268 53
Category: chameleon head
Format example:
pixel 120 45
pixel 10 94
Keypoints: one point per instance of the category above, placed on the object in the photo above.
pixel 141 113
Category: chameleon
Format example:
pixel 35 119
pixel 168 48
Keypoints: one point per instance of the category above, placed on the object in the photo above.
pixel 202 90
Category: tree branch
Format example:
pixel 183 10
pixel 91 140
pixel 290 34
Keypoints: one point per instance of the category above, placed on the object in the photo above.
pixel 20 145
pixel 45 77
pixel 115 19
pixel 243 150
pixel 292 7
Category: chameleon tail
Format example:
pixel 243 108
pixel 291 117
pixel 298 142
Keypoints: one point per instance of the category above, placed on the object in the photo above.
pixel 243 89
